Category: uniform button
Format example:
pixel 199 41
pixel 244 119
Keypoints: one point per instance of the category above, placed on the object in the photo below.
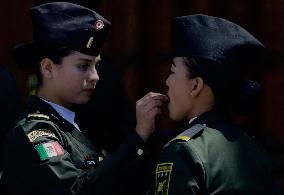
pixel 101 158
pixel 140 152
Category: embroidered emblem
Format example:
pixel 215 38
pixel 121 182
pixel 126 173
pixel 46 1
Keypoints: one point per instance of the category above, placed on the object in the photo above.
pixel 190 133
pixel 163 175
pixel 99 24
pixel 49 149
pixel 89 162
pixel 39 133
pixel 90 42
pixel 181 137
pixel 38 116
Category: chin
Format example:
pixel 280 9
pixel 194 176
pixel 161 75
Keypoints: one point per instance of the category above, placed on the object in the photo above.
pixel 175 115
pixel 83 100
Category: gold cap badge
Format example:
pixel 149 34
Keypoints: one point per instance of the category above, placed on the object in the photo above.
pixel 99 24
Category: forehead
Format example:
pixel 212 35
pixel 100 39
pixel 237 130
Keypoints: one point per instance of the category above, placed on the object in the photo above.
pixel 75 55
pixel 181 67
pixel 179 62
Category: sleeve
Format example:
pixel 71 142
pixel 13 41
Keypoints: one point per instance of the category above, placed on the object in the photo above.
pixel 41 162
pixel 121 169
pixel 179 172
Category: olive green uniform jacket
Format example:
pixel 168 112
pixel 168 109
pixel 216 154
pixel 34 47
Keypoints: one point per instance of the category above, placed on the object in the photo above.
pixel 213 156
pixel 45 154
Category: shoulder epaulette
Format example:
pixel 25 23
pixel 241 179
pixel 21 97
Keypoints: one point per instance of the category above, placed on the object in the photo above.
pixel 181 138
pixel 189 133
pixel 37 116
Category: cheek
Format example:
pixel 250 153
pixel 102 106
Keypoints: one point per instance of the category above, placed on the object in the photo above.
pixel 180 102
pixel 75 77
pixel 179 89
pixel 70 82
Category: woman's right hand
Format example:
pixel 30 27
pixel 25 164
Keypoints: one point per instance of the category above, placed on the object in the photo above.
pixel 147 108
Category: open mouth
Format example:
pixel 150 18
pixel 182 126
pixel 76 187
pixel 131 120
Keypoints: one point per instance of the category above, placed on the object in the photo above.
pixel 88 91
pixel 169 99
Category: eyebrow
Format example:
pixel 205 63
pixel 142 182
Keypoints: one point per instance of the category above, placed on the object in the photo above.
pixel 84 59
pixel 89 60
pixel 99 60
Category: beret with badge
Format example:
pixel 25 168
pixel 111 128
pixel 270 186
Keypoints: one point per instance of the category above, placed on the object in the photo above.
pixel 222 51
pixel 63 24
pixel 212 38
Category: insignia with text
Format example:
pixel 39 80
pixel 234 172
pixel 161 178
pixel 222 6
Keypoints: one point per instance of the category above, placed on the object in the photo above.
pixel 163 175
pixel 89 162
pixel 49 149
pixel 38 116
pixel 39 133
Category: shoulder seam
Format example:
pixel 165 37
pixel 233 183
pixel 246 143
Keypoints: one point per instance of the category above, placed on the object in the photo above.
pixel 198 157
pixel 190 133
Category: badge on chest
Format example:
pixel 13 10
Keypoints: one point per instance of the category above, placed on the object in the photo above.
pixel 90 161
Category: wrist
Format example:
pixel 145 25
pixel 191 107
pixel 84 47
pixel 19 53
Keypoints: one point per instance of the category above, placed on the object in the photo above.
pixel 142 134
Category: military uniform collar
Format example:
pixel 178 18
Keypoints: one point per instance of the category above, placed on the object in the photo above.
pixel 35 103
pixel 191 120
pixel 208 117
pixel 38 105
pixel 197 124
pixel 64 112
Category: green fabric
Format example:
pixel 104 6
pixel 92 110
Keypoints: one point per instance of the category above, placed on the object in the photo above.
pixel 79 170
pixel 220 159
pixel 41 151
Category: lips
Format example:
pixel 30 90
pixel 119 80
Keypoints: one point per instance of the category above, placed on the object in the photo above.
pixel 88 91
pixel 169 98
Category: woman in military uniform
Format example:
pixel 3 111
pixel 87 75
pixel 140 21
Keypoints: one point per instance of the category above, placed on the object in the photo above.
pixel 46 152
pixel 205 85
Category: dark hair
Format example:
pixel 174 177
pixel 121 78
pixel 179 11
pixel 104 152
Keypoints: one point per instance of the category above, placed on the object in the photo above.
pixel 232 92
pixel 28 57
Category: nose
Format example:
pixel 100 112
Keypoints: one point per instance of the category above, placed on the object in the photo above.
pixel 168 81
pixel 93 75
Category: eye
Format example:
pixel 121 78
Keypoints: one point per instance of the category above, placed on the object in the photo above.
pixel 171 71
pixel 83 67
pixel 97 66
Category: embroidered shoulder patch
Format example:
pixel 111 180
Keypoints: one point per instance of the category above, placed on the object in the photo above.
pixel 38 116
pixel 181 138
pixel 39 133
pixel 190 133
pixel 163 175
pixel 49 149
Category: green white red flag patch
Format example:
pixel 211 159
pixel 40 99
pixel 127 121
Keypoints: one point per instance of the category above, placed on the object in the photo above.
pixel 49 149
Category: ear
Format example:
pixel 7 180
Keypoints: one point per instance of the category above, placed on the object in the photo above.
pixel 197 86
pixel 47 68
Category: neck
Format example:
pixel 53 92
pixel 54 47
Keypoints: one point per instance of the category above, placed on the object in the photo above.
pixel 47 95
pixel 204 102
pixel 199 110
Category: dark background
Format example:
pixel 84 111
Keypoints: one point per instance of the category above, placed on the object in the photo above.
pixel 139 46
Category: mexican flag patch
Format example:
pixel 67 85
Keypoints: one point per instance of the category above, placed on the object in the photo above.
pixel 49 149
